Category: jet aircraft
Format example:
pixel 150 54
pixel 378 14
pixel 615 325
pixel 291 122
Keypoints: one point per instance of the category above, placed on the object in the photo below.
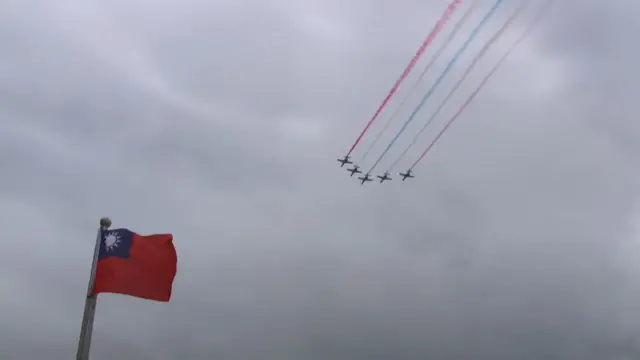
pixel 384 177
pixel 406 175
pixel 345 160
pixel 366 177
pixel 355 170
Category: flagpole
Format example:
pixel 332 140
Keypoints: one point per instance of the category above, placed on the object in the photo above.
pixel 86 330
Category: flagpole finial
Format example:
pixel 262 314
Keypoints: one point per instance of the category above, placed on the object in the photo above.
pixel 105 223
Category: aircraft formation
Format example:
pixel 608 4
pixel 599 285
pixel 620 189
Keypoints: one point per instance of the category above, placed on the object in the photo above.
pixel 458 28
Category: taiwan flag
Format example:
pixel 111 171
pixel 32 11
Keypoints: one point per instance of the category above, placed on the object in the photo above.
pixel 143 266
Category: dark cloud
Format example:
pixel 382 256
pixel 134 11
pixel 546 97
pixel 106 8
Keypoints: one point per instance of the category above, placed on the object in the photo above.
pixel 220 122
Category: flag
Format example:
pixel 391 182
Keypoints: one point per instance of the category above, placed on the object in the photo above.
pixel 142 266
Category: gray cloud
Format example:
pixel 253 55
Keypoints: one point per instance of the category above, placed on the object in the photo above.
pixel 220 122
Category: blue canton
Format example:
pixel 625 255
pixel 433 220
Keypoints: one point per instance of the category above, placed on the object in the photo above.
pixel 116 243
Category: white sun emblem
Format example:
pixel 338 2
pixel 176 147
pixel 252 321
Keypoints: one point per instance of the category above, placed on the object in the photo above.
pixel 111 241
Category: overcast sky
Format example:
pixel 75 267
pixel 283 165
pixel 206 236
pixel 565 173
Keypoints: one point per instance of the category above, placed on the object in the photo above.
pixel 220 122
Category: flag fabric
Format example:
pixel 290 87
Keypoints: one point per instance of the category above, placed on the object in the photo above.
pixel 142 266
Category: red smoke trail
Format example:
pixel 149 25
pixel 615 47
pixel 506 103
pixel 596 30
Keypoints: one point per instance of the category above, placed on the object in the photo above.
pixel 484 81
pixel 439 25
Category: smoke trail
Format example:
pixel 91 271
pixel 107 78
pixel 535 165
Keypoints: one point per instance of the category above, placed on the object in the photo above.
pixel 468 71
pixel 435 57
pixel 484 81
pixel 474 33
pixel 436 30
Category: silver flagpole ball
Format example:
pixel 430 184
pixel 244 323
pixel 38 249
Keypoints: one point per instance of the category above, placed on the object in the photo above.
pixel 105 222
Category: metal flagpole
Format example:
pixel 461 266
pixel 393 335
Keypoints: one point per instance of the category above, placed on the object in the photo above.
pixel 86 329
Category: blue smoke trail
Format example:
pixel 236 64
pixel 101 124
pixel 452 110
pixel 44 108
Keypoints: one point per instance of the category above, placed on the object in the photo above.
pixel 464 46
pixel 434 57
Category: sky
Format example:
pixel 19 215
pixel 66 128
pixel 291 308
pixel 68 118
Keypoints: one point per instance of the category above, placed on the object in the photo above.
pixel 220 122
